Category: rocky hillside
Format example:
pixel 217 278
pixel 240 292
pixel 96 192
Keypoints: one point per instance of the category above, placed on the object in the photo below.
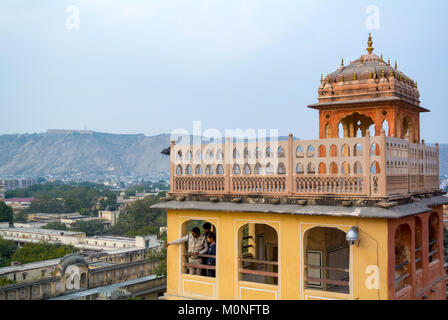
pixel 82 153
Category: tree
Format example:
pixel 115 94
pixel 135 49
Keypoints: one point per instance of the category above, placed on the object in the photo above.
pixel 159 256
pixel 32 252
pixel 55 226
pixel 7 249
pixel 91 228
pixel 5 213
pixel 5 281
pixel 140 218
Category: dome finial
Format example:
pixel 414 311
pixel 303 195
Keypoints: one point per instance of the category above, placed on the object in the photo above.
pixel 321 78
pixel 342 62
pixel 396 65
pixel 370 43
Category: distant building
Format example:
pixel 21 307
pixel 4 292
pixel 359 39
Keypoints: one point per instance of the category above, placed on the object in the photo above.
pixel 12 184
pixel 79 240
pixel 110 216
pixel 2 191
pixel 85 276
pixel 19 204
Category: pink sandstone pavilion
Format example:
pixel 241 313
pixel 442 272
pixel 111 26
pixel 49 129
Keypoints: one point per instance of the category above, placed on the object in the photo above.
pixel 369 162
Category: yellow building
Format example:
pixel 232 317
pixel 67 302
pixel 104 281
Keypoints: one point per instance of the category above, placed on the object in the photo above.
pixel 355 215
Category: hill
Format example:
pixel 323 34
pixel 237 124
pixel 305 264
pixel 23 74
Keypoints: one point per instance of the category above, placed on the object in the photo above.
pixel 72 153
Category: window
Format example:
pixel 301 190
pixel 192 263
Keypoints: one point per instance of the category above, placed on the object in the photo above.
pixel 327 260
pixel 236 169
pixel 269 168
pixel 246 153
pixel 281 168
pixel 418 243
pixel 236 154
pixel 299 169
pixel 179 155
pixel 357 168
pixel 198 155
pixel 188 170
pixel 333 151
pixel 357 150
pixel 189 155
pixel 322 168
pixel 208 170
pixel 269 152
pixel 219 169
pixel 281 152
pixel 204 264
pixel 219 155
pixel 258 252
pixel 310 152
pixel 375 168
pixel 300 152
pixel 402 257
pixel 257 169
pixel 345 151
pixel 198 169
pixel 246 169
pixel 310 168
pixel 433 237
pixel 209 155
pixel 345 168
pixel 322 153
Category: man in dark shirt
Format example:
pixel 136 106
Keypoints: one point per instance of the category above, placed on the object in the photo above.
pixel 211 239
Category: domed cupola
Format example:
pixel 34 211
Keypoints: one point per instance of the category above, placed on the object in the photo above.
pixel 368 77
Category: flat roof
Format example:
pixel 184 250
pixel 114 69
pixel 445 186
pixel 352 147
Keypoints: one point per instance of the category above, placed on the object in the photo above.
pixel 106 290
pixel 29 266
pixel 397 212
pixel 42 231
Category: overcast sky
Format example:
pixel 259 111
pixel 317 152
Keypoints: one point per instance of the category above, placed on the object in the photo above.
pixel 151 66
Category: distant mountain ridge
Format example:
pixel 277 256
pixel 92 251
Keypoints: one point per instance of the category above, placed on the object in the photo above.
pixel 81 153
pixel 72 152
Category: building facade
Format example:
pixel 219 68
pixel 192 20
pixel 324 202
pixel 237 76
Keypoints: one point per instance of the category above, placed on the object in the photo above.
pixel 355 215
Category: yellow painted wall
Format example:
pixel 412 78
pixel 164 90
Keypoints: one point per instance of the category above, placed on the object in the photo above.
pixel 364 260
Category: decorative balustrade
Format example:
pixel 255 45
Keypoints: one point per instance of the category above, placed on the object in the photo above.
pixel 369 166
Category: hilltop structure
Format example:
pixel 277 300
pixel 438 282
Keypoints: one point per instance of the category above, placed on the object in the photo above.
pixel 356 214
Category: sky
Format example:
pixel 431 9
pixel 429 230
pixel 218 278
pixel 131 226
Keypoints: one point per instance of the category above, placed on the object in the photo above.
pixel 154 66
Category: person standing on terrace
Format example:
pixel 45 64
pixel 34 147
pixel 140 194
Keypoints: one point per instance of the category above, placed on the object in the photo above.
pixel 196 245
pixel 211 239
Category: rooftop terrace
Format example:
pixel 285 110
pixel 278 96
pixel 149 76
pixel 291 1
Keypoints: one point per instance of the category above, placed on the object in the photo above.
pixel 377 167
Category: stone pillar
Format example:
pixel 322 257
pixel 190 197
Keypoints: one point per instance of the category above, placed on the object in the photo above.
pixel 228 155
pixel 425 159
pixel 438 169
pixel 290 166
pixel 383 176
pixel 172 170
pixel 367 162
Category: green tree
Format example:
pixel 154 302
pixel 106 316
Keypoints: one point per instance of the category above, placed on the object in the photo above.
pixel 32 252
pixel 91 228
pixel 7 249
pixel 140 218
pixel 55 226
pixel 160 257
pixel 5 281
pixel 5 213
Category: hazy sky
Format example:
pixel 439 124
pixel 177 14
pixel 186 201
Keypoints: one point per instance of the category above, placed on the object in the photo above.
pixel 151 66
